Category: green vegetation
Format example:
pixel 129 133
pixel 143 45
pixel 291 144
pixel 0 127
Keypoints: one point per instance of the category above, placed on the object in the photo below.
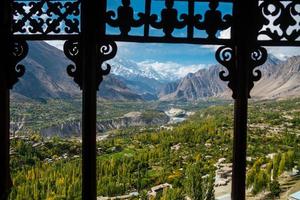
pixel 265 171
pixel 184 156
pixel 196 186
pixel 47 113
pixel 275 188
pixel 44 114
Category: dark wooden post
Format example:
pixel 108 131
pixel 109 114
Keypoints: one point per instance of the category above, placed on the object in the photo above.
pixel 92 34
pixel 240 133
pixel 94 49
pixel 88 59
pixel 243 37
pixel 5 38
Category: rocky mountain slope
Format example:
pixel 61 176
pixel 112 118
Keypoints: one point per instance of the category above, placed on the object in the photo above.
pixel 46 77
pixel 204 83
pixel 129 69
pixel 280 79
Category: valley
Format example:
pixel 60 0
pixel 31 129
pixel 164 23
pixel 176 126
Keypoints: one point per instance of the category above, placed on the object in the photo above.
pixel 134 159
pixel 160 135
pixel 62 117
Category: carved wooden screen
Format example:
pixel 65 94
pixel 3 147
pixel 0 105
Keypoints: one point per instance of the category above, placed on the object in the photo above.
pixel 87 26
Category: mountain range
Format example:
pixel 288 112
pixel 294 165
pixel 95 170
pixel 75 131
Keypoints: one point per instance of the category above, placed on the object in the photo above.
pixel 46 77
pixel 280 79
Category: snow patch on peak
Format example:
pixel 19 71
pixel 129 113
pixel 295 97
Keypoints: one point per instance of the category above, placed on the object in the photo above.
pixel 160 71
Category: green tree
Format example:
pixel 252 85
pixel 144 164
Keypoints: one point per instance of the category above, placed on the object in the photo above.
pixel 143 195
pixel 275 188
pixel 172 194
pixel 282 164
pixel 210 191
pixel 260 182
pixel 276 161
pixel 193 184
pixel 250 177
pixel 290 159
pixel 199 185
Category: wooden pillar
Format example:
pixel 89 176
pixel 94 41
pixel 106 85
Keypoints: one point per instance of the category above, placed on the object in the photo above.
pixel 92 14
pixel 88 48
pixel 5 38
pixel 240 138
pixel 244 37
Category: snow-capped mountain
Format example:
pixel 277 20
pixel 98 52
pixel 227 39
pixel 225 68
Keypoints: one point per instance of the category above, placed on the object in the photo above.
pixel 162 72
pixel 150 69
pixel 149 80
pixel 129 70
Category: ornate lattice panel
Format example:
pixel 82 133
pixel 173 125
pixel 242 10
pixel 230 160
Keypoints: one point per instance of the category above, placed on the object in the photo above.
pixel 179 21
pixel 46 17
pixel 279 22
pixel 274 23
pixel 193 21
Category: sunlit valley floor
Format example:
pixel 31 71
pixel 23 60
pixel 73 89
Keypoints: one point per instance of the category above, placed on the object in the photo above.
pixel 158 150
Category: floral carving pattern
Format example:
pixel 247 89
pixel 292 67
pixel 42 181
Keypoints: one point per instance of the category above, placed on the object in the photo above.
pixel 281 20
pixel 106 51
pixel 225 56
pixel 278 21
pixel 258 57
pixel 46 17
pixel 71 50
pixel 15 71
pixel 168 21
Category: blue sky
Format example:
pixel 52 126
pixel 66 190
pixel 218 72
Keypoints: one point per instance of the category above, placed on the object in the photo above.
pixel 184 55
pixel 180 53
pixel 156 7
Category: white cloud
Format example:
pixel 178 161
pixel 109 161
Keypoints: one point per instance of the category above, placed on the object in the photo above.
pixel 165 69
pixel 283 53
pixel 171 69
pixel 226 34
pixel 59 44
